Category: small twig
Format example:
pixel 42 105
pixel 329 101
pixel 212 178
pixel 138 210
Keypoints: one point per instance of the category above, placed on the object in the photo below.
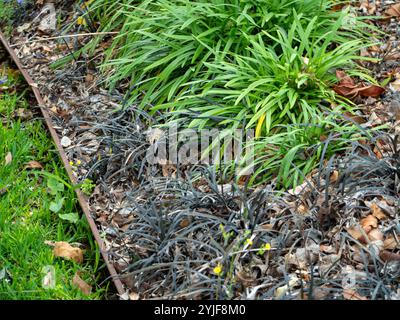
pixel 64 36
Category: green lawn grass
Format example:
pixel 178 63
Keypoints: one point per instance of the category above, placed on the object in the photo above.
pixel 26 220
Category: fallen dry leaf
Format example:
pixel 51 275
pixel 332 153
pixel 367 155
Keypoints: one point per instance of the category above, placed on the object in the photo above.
pixel 356 118
pixel 299 189
pixel 65 250
pixel 327 249
pixel 133 296
pixel 395 85
pixel 334 176
pixel 369 222
pixel 33 165
pixel 377 212
pixel 89 78
pixel 390 243
pixel 378 153
pixel 349 89
pixel 355 233
pixel 375 234
pixel 184 223
pixel 387 256
pixel 371 7
pixel 81 284
pixel 302 209
pixel 8 158
pixel 24 114
pixel 393 11
pixel 350 294
pixel 281 291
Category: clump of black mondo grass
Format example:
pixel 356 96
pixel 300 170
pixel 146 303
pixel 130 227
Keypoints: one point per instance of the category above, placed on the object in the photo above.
pixel 200 235
pixel 203 237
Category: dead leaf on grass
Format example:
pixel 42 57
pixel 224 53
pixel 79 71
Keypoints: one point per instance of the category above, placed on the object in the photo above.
pixel 81 284
pixel 8 158
pixel 23 114
pixel 33 165
pixel 65 250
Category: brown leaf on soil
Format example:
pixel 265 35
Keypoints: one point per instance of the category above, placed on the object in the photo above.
pixel 344 78
pixel 355 118
pixel 302 209
pixel 387 256
pixel 355 233
pixel 349 89
pixel 377 212
pixel 350 294
pixel 378 153
pixel 33 165
pixel 184 223
pixel 340 6
pixel 370 91
pixel 368 222
pixel 327 249
pixel 81 284
pixel 395 85
pixel 375 234
pixel 371 7
pixel 393 11
pixel 390 243
pixel 65 250
pixel 89 78
pixel 334 176
pixel 245 278
pixel 267 226
pixel 134 296
pixel 168 170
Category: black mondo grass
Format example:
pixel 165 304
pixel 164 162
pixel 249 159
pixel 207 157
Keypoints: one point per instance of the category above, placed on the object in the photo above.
pixel 184 228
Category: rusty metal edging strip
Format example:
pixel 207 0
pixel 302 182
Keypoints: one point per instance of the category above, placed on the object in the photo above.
pixel 81 197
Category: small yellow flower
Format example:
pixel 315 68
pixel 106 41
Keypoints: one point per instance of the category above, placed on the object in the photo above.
pixel 86 4
pixel 264 247
pixel 81 21
pixel 78 162
pixel 249 242
pixel 218 269
pixel 71 163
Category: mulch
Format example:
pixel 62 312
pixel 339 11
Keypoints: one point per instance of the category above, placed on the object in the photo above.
pixel 185 233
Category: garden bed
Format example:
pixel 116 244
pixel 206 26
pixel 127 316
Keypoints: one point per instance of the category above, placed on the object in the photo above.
pixel 191 232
